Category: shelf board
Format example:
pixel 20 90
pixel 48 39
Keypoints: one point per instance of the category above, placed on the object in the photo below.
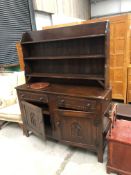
pixel 65 57
pixel 60 39
pixel 67 76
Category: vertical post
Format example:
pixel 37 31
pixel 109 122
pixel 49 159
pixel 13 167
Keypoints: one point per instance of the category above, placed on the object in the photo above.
pixel 32 14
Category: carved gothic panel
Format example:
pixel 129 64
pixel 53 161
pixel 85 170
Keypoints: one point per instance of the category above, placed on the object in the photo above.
pixel 34 118
pixel 78 127
pixel 76 130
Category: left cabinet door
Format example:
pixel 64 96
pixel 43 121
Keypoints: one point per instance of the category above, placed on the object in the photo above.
pixel 33 118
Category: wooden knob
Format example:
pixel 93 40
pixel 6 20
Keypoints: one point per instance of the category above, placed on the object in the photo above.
pixel 22 96
pixel 58 123
pixel 62 101
pixel 88 105
pixel 41 98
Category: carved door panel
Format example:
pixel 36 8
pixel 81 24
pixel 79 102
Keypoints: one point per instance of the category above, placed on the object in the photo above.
pixel 33 118
pixel 78 127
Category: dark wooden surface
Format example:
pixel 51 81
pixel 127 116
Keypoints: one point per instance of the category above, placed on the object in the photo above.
pixel 80 91
pixel 74 60
pixel 124 111
pixel 73 119
pixel 119 148
pixel 63 33
pixel 66 54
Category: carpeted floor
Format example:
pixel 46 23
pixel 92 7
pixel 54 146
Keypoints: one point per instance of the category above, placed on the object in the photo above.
pixel 21 155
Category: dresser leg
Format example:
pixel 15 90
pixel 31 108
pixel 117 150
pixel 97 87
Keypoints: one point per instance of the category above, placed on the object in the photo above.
pixel 25 131
pixel 100 155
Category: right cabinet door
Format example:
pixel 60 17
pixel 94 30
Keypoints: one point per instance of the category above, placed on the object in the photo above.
pixel 78 128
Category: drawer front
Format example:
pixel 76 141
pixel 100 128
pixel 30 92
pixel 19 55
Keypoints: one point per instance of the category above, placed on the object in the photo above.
pixel 76 103
pixel 29 96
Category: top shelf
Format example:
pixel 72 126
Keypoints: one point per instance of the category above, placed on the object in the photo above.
pixel 91 30
pixel 59 39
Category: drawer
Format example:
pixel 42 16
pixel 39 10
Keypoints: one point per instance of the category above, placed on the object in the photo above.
pixel 76 114
pixel 76 103
pixel 29 96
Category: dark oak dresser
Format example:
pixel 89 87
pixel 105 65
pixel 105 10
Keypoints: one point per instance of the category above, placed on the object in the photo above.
pixel 74 106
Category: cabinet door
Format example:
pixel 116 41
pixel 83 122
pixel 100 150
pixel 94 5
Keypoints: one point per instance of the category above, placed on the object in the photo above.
pixel 78 128
pixel 33 118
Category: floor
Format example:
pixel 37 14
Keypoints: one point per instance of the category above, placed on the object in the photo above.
pixel 21 155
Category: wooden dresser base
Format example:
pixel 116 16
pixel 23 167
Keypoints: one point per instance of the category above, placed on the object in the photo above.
pixel 69 114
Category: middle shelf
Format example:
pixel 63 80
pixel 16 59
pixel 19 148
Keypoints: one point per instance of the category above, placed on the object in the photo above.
pixel 65 57
pixel 67 76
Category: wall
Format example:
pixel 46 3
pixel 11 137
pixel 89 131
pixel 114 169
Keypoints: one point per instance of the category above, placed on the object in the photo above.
pixel 61 11
pixel 73 8
pixel 45 5
pixel 42 19
pixel 125 5
pixel 62 19
pixel 108 7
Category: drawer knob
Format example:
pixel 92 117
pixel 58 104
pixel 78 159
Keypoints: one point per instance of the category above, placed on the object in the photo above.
pixel 41 98
pixel 88 105
pixel 22 96
pixel 62 101
pixel 57 124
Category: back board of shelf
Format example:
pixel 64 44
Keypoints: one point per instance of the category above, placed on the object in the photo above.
pixel 64 33
pixel 73 52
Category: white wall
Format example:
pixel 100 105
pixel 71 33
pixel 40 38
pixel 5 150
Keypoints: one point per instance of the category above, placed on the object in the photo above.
pixel 71 8
pixel 125 5
pixel 107 7
pixel 42 19
pixel 62 11
pixel 62 19
pixel 54 12
pixel 45 5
